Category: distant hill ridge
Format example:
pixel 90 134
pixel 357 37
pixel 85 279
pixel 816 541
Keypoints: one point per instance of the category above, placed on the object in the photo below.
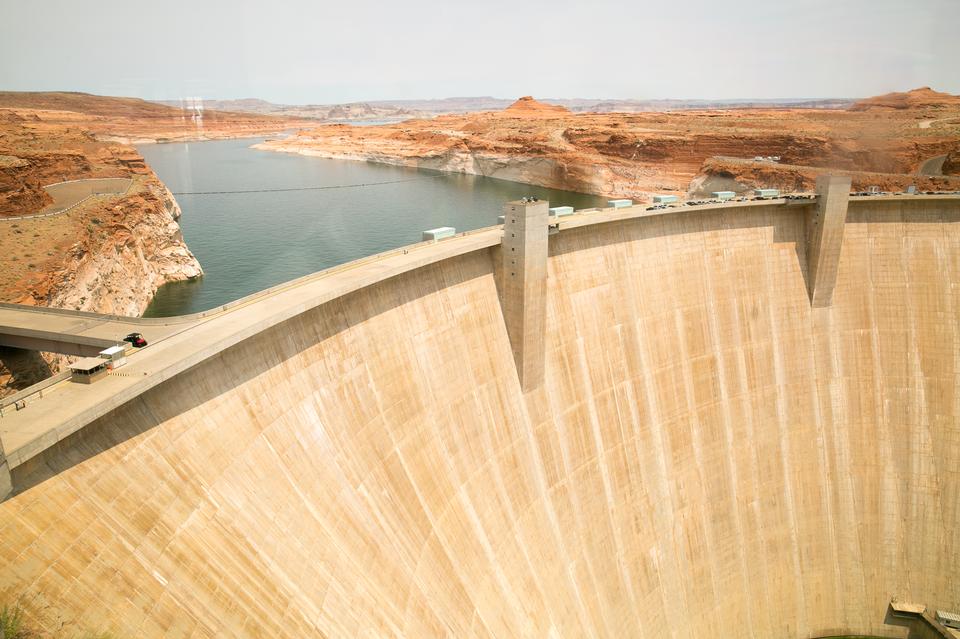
pixel 108 106
pixel 103 105
pixel 401 109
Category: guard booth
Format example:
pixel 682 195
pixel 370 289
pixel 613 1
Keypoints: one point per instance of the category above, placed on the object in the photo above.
pixel 115 356
pixel 88 370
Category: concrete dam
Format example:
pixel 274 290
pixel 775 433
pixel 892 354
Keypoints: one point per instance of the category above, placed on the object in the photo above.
pixel 737 420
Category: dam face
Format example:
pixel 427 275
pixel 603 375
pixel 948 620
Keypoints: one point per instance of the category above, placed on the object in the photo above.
pixel 708 454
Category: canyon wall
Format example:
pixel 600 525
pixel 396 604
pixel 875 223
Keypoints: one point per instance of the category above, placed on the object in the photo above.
pixel 638 154
pixel 137 248
pixel 708 455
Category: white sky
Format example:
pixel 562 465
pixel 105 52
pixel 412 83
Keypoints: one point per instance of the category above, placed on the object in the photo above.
pixel 301 51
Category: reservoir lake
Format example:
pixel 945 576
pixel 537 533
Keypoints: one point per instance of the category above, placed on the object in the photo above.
pixel 247 242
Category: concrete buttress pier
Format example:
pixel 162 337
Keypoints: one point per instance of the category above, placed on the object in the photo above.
pixel 525 286
pixel 825 237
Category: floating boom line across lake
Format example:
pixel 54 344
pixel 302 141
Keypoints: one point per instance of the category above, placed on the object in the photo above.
pixel 309 188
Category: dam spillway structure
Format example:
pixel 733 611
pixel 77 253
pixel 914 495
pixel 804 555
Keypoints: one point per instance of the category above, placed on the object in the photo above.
pixel 740 420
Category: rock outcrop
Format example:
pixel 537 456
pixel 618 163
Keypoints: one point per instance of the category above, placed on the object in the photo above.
pixel 115 253
pixel 528 107
pixel 131 246
pixel 951 165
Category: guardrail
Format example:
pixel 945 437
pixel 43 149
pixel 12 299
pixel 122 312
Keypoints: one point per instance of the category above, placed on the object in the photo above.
pixel 30 391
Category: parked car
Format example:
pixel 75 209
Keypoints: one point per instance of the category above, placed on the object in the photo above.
pixel 136 339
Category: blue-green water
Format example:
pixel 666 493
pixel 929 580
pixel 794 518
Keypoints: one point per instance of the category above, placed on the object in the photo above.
pixel 248 242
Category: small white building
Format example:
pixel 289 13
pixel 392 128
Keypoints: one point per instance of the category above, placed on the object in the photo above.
pixel 115 356
pixel 561 211
pixel 665 199
pixel 724 195
pixel 439 233
pixel 619 204
pixel 765 194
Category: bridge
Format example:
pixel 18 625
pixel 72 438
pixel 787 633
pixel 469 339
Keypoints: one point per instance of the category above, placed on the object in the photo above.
pixel 75 333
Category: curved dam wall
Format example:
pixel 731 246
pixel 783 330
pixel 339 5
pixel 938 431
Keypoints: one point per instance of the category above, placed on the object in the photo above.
pixel 708 455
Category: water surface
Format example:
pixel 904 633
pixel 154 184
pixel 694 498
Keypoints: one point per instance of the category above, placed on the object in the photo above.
pixel 247 242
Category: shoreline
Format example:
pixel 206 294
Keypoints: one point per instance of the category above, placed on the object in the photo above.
pixel 136 141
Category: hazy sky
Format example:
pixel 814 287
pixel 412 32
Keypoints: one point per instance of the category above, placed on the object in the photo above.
pixel 301 51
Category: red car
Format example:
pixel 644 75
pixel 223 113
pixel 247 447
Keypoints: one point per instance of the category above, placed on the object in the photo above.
pixel 136 339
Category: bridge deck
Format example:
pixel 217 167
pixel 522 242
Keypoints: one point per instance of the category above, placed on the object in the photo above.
pixel 40 329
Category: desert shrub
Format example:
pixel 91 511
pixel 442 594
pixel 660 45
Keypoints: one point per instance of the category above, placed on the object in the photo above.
pixel 11 623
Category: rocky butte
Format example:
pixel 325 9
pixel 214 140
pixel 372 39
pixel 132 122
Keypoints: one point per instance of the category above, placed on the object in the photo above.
pixel 881 142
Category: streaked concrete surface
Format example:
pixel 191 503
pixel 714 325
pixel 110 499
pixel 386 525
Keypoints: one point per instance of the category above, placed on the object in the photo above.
pixel 709 455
